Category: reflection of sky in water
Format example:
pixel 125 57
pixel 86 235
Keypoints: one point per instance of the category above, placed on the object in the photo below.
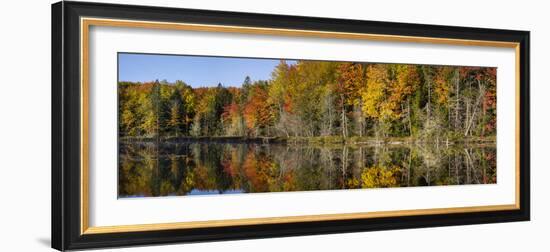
pixel 210 192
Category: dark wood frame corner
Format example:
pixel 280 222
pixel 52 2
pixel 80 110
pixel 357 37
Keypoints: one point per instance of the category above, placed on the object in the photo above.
pixel 70 22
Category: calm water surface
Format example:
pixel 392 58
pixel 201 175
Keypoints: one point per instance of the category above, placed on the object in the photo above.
pixel 148 169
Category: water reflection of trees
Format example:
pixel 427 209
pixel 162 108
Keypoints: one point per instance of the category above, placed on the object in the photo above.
pixel 179 169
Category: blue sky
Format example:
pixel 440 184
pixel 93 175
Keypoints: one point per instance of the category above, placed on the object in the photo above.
pixel 196 71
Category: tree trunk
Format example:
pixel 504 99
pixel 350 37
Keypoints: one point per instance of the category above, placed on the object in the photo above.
pixel 409 116
pixel 429 81
pixel 476 108
pixel 457 106
pixel 329 105
pixel 344 119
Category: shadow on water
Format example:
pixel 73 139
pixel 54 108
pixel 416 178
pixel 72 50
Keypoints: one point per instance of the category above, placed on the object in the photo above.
pixel 174 169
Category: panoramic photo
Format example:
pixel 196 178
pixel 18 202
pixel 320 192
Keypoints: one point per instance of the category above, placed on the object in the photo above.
pixel 205 125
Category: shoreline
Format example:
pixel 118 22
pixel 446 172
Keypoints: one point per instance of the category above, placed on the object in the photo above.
pixel 323 140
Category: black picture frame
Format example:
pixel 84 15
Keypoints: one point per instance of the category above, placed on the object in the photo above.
pixel 66 125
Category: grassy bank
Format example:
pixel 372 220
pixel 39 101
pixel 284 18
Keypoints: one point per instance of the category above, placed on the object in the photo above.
pixel 328 140
pixel 321 140
pixel 216 139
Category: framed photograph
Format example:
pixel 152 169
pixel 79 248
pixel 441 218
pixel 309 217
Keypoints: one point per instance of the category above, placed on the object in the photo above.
pixel 180 125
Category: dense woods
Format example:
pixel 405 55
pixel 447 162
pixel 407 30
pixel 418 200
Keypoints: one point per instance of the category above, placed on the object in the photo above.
pixel 320 99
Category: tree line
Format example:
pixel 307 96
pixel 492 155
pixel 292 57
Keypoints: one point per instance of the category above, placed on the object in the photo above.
pixel 318 99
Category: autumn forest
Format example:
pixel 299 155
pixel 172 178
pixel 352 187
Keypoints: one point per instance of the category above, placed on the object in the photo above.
pixel 340 116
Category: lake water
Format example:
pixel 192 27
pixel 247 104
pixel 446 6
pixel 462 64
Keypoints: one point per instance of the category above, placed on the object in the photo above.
pixel 170 169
